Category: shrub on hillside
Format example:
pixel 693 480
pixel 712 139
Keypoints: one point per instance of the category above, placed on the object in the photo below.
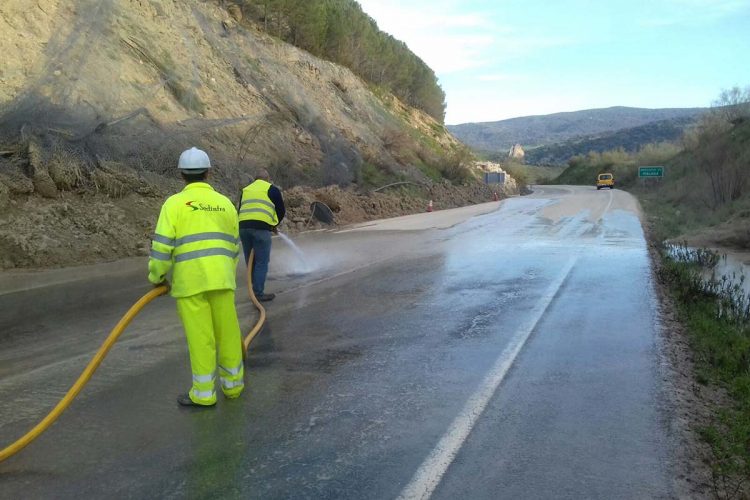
pixel 624 165
pixel 338 30
pixel 657 153
pixel 720 153
pixel 456 167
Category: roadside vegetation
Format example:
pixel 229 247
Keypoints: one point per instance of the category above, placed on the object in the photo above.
pixel 339 31
pixel 706 183
pixel 629 139
pixel 704 199
pixel 583 169
pixel 716 314
pixel 527 175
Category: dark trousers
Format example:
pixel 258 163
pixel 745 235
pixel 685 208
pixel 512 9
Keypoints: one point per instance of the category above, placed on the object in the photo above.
pixel 260 241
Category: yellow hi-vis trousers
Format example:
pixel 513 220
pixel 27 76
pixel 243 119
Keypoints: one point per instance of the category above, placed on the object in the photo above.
pixel 211 325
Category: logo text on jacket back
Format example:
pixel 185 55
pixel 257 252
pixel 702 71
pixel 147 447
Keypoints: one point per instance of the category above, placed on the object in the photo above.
pixel 205 208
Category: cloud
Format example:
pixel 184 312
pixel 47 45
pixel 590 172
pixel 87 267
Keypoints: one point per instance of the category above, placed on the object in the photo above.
pixel 449 36
pixel 447 40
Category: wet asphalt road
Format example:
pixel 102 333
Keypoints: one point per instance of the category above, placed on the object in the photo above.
pixel 513 355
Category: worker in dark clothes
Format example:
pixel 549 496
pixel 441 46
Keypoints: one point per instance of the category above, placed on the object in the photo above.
pixel 260 212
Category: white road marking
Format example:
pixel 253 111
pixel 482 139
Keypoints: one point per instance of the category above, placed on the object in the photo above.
pixel 609 205
pixel 432 470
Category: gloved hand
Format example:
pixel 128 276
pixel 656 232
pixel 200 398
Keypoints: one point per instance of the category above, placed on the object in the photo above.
pixel 164 283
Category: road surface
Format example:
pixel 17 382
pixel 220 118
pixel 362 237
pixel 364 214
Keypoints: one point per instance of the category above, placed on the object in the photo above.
pixel 507 350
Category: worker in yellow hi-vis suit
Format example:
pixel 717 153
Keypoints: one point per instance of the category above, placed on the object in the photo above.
pixel 197 239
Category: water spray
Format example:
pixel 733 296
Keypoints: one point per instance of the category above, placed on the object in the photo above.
pixel 297 251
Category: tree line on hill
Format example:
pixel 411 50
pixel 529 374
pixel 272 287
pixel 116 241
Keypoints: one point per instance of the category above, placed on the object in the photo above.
pixel 339 31
pixel 713 154
pixel 630 140
pixel 571 127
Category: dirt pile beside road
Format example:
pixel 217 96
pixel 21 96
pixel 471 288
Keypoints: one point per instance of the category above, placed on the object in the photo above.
pixel 75 231
pixel 349 206
pixel 77 228
pixel 98 99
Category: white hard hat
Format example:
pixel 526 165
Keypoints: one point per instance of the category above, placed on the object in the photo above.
pixel 194 160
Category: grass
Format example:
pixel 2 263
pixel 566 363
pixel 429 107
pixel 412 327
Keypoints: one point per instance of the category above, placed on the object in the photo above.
pixel 430 171
pixel 439 129
pixel 716 314
pixel 531 174
pixel 671 220
pixel 373 177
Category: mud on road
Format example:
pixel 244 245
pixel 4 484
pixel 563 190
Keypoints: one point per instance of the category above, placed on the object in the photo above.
pixel 86 228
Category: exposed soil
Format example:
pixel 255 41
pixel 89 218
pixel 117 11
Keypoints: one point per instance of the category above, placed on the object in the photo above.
pixel 186 74
pixel 351 207
pixel 733 234
pixel 85 228
pixel 97 100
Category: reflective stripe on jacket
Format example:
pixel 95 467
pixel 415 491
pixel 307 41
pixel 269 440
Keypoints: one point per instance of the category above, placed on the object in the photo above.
pixel 256 204
pixel 197 238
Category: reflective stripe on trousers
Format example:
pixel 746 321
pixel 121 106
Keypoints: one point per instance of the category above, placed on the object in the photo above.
pixel 232 371
pixel 201 396
pixel 231 384
pixel 212 330
pixel 231 379
pixel 204 379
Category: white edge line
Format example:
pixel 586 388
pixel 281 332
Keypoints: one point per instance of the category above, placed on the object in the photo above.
pixel 430 473
pixel 609 205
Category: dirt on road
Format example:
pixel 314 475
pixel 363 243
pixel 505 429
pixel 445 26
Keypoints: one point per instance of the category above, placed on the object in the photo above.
pixel 85 228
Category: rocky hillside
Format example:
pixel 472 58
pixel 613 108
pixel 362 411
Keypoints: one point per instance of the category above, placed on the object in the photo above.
pixel 535 131
pixel 97 99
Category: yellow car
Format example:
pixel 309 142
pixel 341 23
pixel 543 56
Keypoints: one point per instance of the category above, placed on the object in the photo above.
pixel 605 181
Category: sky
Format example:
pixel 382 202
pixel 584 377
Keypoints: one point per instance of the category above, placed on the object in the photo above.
pixel 506 58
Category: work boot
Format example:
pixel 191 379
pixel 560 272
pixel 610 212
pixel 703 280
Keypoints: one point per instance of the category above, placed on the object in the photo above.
pixel 266 297
pixel 184 400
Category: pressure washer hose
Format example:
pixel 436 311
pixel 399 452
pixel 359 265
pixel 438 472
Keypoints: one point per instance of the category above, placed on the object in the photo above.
pixel 88 372
pixel 261 310
pixel 85 376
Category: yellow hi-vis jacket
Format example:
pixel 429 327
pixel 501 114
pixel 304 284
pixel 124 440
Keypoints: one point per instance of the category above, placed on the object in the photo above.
pixel 197 238
pixel 256 205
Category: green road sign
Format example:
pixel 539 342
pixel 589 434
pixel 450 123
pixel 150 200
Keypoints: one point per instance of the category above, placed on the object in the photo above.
pixel 650 171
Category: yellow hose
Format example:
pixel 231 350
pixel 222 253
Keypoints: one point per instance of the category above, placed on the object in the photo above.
pixel 85 376
pixel 254 299
pixel 88 372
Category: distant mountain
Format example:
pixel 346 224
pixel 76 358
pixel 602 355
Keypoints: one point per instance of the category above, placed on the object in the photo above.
pixel 543 130
pixel 629 139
